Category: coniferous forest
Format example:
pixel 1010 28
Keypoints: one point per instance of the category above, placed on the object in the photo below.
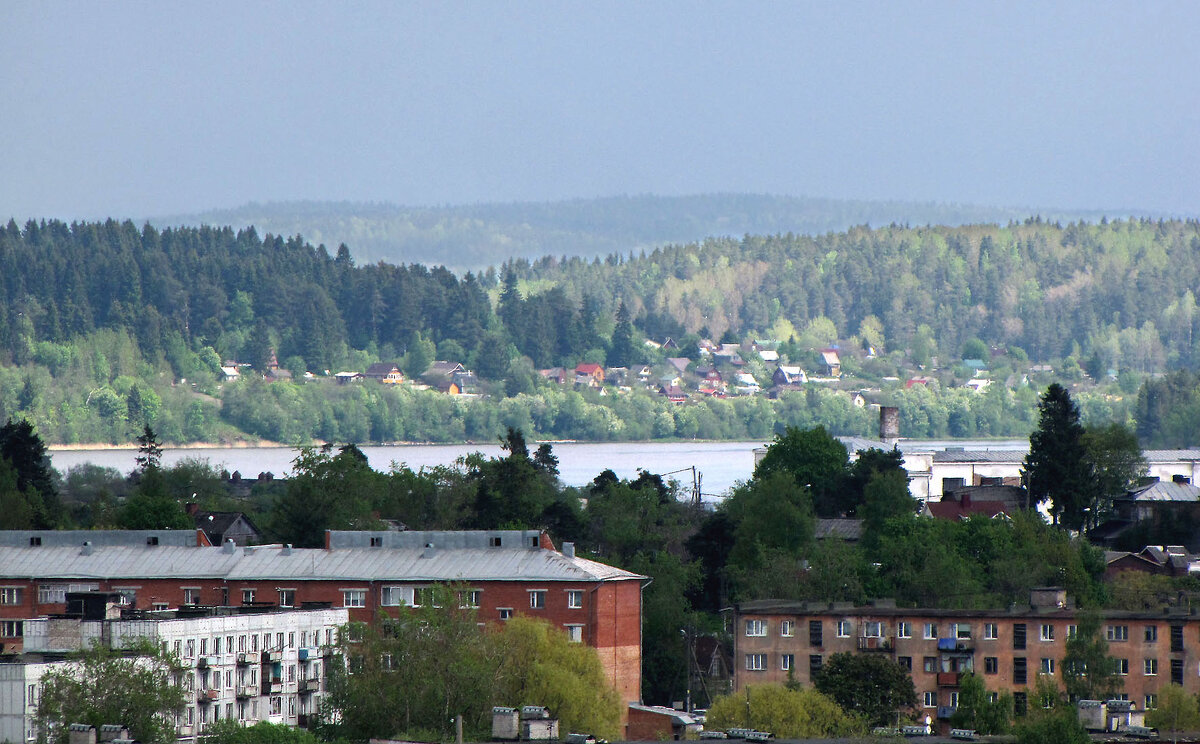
pixel 106 327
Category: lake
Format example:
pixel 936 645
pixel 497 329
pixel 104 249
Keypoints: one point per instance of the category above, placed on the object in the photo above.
pixel 720 464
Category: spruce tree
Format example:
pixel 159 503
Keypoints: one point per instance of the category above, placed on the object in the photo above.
pixel 1056 468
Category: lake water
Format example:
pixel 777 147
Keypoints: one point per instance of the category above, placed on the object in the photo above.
pixel 720 464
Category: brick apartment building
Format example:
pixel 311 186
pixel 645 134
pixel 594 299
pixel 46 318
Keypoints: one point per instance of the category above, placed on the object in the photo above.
pixel 1006 648
pixel 503 573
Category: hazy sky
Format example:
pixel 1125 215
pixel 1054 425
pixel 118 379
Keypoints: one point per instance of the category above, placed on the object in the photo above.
pixel 141 109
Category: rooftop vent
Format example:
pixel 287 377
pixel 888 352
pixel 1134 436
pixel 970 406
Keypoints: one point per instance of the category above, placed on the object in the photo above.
pixel 228 547
pixel 287 549
pixel 87 548
pixel 568 549
pixel 428 553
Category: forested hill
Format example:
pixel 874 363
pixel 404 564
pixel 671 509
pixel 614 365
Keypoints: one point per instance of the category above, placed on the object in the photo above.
pixel 101 324
pixel 472 237
pixel 1120 293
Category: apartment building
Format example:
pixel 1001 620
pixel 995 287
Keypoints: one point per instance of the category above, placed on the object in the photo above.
pixel 502 573
pixel 1008 649
pixel 243 664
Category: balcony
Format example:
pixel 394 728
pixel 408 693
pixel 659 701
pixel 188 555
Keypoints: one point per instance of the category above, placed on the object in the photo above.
pixel 207 695
pixel 964 645
pixel 275 686
pixel 270 657
pixel 202 662
pixel 947 679
pixel 246 691
pixel 305 654
pixel 302 720
pixel 874 643
pixel 946 711
pixel 243 659
pixel 309 685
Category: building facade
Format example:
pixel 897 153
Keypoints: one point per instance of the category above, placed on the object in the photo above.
pixel 247 666
pixel 775 641
pixel 502 573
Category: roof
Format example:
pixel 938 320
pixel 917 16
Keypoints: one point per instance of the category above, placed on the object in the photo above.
pixel 442 369
pixel 216 524
pixel 947 509
pixel 1164 491
pixel 381 369
pixel 679 363
pixel 951 454
pixel 846 529
pixel 275 562
pixel 75 539
pixel 588 368
pixel 678 717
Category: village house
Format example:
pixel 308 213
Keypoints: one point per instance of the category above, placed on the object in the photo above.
pixel 387 373
pixel 832 362
pixel 555 374
pixel 786 374
pixel 449 377
pixel 589 374
pixel 221 527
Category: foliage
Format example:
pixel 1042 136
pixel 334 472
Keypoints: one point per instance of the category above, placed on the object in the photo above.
pixel 31 494
pixel 229 731
pixel 327 491
pixel 1116 463
pixel 133 687
pixel 1088 671
pixel 979 714
pixel 815 460
pixel 1051 719
pixel 873 685
pixel 540 666
pixel 1176 711
pixel 1056 468
pixel 789 714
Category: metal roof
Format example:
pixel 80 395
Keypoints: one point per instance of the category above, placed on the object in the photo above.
pixel 1165 491
pixel 449 539
pixel 76 538
pixel 958 455
pixel 274 562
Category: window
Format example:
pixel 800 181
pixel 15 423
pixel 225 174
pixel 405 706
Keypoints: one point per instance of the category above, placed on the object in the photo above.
pixel 904 629
pixel 787 661
pixel 787 628
pixel 814 664
pixel 993 697
pixel 505 612
pixel 953 699
pixel 931 631
pixel 276 705
pixel 990 632
pixel 1177 671
pixel 287 597
pixel 537 599
pixel 1122 666
pixel 574 599
pixel 1047 665
pixel 1151 701
pixel 1151 634
pixel 376 542
pixel 1020 673
pixel 204 647
pixel 494 542
pixel 354 597
pixel 905 661
pixel 756 662
pixel 575 633
pixel 991 665
pixel 930 699
pixel 35 542
pixel 52 593
pixel 929 664
pixel 392 596
pixel 189 647
pixel 844 628
pixel 756 627
pixel 471 598
pixel 1047 632
pixel 11 595
pixel 815 633
pixel 872 629
pixel 291 640
pixel 1020 703
pixel 1018 636
pixel 242 643
pixel 1150 667
pixel 247 596
pixel 278 641
pixel 962 631
pixel 12 628
pixel 1176 638
pixel 1116 633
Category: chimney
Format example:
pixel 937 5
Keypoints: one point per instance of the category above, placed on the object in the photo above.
pixel 87 548
pixel 889 425
pixel 568 549
pixel 287 549
pixel 191 508
pixel 228 547
pixel 428 553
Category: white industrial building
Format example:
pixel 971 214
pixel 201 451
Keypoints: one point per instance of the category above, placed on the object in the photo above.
pixel 247 666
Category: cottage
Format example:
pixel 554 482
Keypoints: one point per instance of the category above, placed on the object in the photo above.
pixel 789 375
pixel 387 373
pixel 589 374
pixel 832 362
pixel 673 393
pixel 555 374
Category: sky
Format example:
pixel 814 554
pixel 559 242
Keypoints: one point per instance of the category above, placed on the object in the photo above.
pixel 130 109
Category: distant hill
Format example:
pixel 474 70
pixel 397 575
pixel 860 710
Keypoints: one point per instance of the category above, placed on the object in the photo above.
pixel 473 237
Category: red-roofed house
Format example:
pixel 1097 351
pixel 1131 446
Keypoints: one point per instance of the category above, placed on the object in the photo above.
pixel 587 373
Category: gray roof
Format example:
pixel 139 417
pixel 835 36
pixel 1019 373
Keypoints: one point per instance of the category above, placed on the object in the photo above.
pixel 1165 491
pixel 448 539
pixel 76 538
pixel 960 455
pixel 275 562
pixel 846 529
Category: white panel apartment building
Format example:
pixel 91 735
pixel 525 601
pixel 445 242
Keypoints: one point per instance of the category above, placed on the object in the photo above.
pixel 247 666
